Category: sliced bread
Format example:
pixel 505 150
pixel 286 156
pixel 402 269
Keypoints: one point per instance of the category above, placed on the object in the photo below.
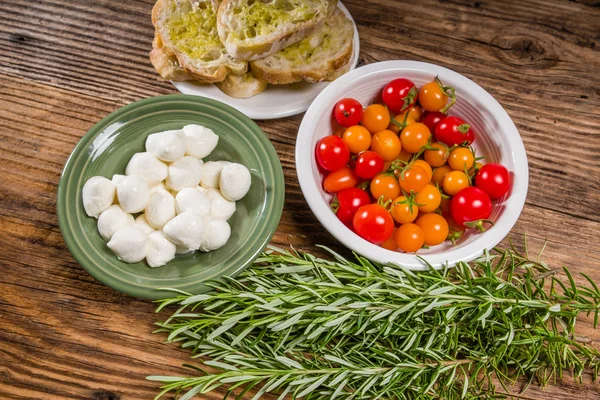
pixel 253 29
pixel 166 63
pixel 242 86
pixel 320 56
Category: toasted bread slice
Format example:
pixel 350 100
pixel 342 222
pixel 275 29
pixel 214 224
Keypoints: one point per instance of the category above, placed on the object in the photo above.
pixel 166 63
pixel 317 57
pixel 242 86
pixel 188 32
pixel 253 29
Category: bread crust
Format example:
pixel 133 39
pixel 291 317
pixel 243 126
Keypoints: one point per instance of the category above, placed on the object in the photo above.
pixel 242 86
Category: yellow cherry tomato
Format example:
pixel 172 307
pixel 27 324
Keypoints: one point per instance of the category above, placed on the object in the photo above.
pixel 413 179
pixel 357 138
pixel 435 227
pixel 461 159
pixel 386 144
pixel 454 182
pixel 428 199
pixel 414 137
pixel 390 244
pixel 385 185
pixel 404 210
pixel 423 164
pixel 438 156
pixel 432 97
pixel 439 174
pixel 410 237
pixel 375 118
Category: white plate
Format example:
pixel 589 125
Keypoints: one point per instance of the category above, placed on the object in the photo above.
pixel 277 101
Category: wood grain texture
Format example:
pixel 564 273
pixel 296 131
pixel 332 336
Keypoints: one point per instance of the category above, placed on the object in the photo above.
pixel 66 64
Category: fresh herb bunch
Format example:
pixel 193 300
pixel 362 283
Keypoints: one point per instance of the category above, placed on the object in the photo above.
pixel 320 329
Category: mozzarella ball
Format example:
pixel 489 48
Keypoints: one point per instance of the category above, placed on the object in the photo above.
pixel 111 220
pixel 116 178
pixel 183 250
pixel 129 243
pixel 160 186
pixel 133 194
pixel 192 199
pixel 235 181
pixel 168 146
pixel 211 174
pixel 220 207
pixel 186 172
pixel 148 167
pixel 186 229
pixel 216 234
pixel 160 209
pixel 199 140
pixel 142 223
pixel 98 194
pixel 160 249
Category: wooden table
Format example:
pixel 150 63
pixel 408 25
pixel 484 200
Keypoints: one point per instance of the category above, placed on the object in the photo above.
pixel 66 64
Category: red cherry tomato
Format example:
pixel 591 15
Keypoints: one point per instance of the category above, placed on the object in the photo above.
pixel 348 112
pixel 347 201
pixel 471 205
pixel 453 131
pixel 341 179
pixel 493 179
pixel 399 94
pixel 432 119
pixel 332 153
pixel 373 223
pixel 368 164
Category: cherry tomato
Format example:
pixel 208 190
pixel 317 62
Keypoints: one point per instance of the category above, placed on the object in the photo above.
pixel 461 159
pixel 432 119
pixel 413 179
pixel 341 179
pixel 347 201
pixel 438 156
pixel 368 164
pixel 332 153
pixel 432 97
pixel 435 228
pixel 401 122
pixel 385 185
pixel 493 179
pixel 439 174
pixel 414 137
pixel 410 237
pixel 404 210
pixel 357 138
pixel 386 144
pixel 470 206
pixel 375 118
pixel 423 164
pixel 373 223
pixel 399 94
pixel 390 244
pixel 454 182
pixel 348 112
pixel 428 199
pixel 454 131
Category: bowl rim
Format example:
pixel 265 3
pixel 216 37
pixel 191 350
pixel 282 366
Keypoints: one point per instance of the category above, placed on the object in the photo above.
pixel 267 229
pixel 305 158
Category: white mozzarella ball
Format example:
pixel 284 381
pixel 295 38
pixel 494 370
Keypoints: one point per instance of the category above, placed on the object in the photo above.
pixel 186 172
pixel 235 181
pixel 142 223
pixel 183 250
pixel 116 178
pixel 220 207
pixel 133 194
pixel 160 209
pixel 98 194
pixel 111 220
pixel 212 173
pixel 148 167
pixel 160 249
pixel 192 199
pixel 216 234
pixel 160 186
pixel 129 243
pixel 200 141
pixel 186 229
pixel 168 146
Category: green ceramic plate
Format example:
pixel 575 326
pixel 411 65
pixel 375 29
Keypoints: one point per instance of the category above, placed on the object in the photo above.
pixel 106 149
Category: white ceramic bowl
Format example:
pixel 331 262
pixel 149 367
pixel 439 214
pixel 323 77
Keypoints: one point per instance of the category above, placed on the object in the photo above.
pixel 497 139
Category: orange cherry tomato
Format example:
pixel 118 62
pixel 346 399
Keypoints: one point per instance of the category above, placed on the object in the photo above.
pixel 390 244
pixel 437 157
pixel 400 120
pixel 454 182
pixel 404 210
pixel 341 179
pixel 385 185
pixel 357 138
pixel 414 137
pixel 410 237
pixel 435 228
pixel 432 97
pixel 461 159
pixel 375 118
pixel 413 179
pixel 386 144
pixel 423 164
pixel 439 174
pixel 428 199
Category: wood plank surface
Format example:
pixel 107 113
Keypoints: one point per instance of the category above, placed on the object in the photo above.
pixel 66 64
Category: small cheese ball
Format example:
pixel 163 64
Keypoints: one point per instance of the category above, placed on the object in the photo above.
pixel 186 172
pixel 220 207
pixel 142 223
pixel 234 181
pixel 199 140
pixel 216 234
pixel 111 220
pixel 98 194
pixel 211 174
pixel 160 209
pixel 148 167
pixel 186 230
pixel 129 243
pixel 133 194
pixel 192 199
pixel 168 146
pixel 160 249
